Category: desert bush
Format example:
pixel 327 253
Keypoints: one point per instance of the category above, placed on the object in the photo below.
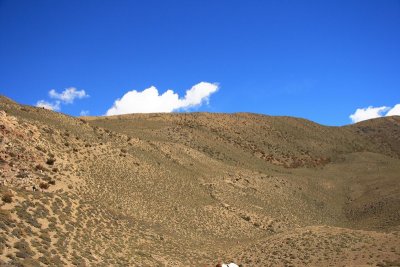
pixel 40 167
pixel 46 178
pixel 50 161
pixel 41 149
pixel 7 197
pixel 52 182
pixel 23 249
pixel 44 185
pixel 22 254
pixel 22 174
pixel 45 237
pixel 17 232
pixel 245 217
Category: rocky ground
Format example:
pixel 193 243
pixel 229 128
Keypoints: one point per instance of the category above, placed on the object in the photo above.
pixel 196 189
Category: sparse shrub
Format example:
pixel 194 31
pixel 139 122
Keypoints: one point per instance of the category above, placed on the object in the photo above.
pixel 17 232
pixel 50 161
pixel 52 182
pixel 55 169
pixel 24 250
pixel 245 217
pixel 44 185
pixel 40 167
pixel 22 254
pixel 123 150
pixel 22 174
pixel 46 178
pixel 7 197
pixel 41 149
pixel 45 237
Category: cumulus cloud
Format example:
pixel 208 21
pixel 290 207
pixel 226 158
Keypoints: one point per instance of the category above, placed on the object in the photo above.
pixel 48 105
pixel 65 97
pixel 150 100
pixel 394 111
pixel 370 112
pixel 68 95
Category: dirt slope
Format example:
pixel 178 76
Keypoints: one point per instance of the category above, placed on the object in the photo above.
pixel 195 189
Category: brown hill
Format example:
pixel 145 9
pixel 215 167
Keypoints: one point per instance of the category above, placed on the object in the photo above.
pixel 195 189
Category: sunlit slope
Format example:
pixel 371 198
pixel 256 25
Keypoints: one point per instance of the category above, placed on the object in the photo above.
pixel 180 189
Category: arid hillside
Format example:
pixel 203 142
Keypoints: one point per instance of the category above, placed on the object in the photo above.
pixel 195 189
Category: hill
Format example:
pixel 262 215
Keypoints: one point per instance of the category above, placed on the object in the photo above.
pixel 195 189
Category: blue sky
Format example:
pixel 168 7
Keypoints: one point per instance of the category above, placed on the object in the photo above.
pixel 320 60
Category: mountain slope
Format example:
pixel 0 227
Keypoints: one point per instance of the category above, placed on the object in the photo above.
pixel 192 189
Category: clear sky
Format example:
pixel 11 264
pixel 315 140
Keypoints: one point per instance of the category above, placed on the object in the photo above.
pixel 320 60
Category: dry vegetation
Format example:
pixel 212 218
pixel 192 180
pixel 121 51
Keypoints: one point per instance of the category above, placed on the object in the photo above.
pixel 195 189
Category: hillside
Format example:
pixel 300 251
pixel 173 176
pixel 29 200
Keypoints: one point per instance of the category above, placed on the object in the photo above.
pixel 195 189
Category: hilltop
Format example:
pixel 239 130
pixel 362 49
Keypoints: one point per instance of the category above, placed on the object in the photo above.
pixel 193 189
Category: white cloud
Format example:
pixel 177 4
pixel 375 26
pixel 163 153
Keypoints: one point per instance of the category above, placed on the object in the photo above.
pixel 149 100
pixel 48 105
pixel 84 113
pixel 68 95
pixel 370 112
pixel 394 111
pixel 65 97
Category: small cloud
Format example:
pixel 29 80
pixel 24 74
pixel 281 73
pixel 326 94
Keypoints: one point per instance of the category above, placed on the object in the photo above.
pixel 394 111
pixel 149 100
pixel 65 97
pixel 370 112
pixel 84 113
pixel 68 95
pixel 48 105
